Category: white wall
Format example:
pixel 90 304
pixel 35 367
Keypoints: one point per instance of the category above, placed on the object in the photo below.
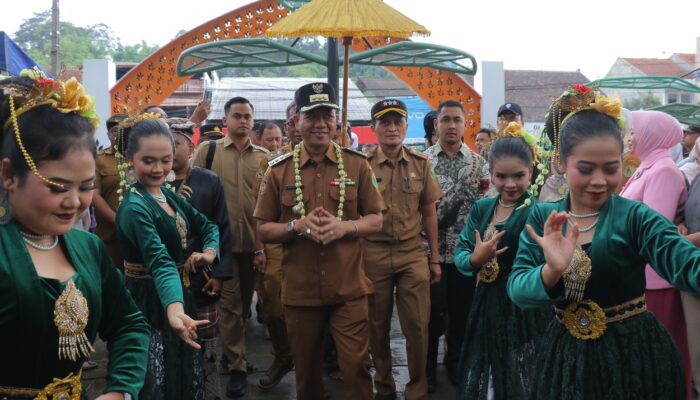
pixel 98 77
pixel 493 91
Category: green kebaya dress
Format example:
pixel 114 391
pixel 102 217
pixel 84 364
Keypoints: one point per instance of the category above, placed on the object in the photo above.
pixel 28 335
pixel 635 358
pixel 501 340
pixel 156 240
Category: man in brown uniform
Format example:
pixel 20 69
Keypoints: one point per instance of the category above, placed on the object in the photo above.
pixel 106 197
pixel 270 289
pixel 236 161
pixel 318 201
pixel 395 257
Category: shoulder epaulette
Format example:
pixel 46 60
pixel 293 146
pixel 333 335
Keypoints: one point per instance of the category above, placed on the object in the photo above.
pixel 417 153
pixel 359 153
pixel 279 159
pixel 264 150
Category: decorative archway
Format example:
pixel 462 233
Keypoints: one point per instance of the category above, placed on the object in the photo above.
pixel 155 78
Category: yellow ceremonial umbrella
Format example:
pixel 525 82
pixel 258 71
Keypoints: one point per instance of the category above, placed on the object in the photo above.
pixel 346 19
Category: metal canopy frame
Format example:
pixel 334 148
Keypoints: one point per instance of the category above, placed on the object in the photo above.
pixel 265 53
pixel 293 4
pixel 241 53
pixel 647 82
pixel 688 114
pixel 416 54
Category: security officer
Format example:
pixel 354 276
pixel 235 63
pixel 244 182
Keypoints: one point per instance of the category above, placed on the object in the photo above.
pixel 318 201
pixel 395 257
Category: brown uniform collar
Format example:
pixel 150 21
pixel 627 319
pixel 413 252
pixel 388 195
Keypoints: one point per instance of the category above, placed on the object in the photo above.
pixel 304 157
pixel 381 156
pixel 229 142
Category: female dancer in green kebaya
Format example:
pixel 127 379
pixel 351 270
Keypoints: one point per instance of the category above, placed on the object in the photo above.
pixel 58 286
pixel 153 224
pixel 500 340
pixel 585 256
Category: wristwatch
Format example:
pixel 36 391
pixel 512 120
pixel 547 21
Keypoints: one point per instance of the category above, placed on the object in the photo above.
pixel 290 227
pixel 127 396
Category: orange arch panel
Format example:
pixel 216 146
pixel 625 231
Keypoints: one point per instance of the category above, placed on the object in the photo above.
pixel 155 78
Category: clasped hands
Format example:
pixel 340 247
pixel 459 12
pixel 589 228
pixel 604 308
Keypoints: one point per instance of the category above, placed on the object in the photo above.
pixel 322 227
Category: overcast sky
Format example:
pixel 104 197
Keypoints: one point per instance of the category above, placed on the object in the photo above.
pixel 536 34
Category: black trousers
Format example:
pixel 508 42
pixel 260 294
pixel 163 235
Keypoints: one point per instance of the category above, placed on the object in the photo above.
pixel 450 300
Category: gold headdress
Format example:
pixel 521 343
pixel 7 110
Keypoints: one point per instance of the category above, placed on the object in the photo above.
pixel 33 89
pixel 514 129
pixel 579 98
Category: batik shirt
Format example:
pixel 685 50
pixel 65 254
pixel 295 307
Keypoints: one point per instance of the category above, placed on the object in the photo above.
pixel 464 179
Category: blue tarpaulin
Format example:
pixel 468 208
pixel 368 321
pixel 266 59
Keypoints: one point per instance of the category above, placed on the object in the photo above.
pixel 417 109
pixel 12 58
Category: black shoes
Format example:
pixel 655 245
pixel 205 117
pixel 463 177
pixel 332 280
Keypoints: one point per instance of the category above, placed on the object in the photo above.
pixel 237 384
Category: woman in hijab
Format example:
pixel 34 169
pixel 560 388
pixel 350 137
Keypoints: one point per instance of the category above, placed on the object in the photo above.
pixel 659 184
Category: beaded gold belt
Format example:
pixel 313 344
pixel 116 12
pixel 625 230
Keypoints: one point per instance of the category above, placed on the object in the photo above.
pixel 139 271
pixel 586 320
pixel 68 388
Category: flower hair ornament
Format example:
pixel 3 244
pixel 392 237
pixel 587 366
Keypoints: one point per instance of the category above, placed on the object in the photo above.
pixel 575 99
pixel 124 168
pixel 32 89
pixel 125 175
pixel 579 98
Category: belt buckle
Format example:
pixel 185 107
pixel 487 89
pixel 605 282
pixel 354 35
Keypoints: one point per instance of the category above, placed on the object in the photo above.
pixel 489 271
pixel 68 388
pixel 585 320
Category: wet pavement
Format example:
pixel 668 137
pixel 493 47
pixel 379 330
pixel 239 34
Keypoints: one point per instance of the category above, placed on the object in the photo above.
pixel 259 353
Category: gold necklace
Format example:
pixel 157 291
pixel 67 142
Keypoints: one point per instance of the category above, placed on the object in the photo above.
pixel 299 207
pixel 71 315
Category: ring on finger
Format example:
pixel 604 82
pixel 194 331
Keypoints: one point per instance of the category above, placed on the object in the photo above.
pixel 308 232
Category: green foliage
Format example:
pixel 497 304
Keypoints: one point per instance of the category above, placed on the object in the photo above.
pixel 642 102
pixel 133 53
pixel 77 43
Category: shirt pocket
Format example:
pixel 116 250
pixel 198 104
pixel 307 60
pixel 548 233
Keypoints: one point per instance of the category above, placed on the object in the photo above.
pixel 411 191
pixel 350 208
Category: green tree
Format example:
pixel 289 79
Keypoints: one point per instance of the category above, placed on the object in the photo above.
pixel 77 43
pixel 134 52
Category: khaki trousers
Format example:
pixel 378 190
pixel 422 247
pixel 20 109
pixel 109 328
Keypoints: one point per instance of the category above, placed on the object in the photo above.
pixel 234 305
pixel 350 330
pixel 270 290
pixel 400 270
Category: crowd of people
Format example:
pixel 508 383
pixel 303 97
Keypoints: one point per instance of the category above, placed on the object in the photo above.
pixel 564 267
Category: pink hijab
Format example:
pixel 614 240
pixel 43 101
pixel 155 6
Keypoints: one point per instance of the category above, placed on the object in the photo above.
pixel 655 132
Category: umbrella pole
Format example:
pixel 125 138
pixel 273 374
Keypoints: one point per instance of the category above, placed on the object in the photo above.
pixel 346 67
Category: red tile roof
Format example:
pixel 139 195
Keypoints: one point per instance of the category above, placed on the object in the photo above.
pixel 657 66
pixel 534 91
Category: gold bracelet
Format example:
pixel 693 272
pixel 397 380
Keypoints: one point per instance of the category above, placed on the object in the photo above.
pixel 210 250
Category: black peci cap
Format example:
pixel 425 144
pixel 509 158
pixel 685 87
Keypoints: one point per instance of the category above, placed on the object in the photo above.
pixel 315 95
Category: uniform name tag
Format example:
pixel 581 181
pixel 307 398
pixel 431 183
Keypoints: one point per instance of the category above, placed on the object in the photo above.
pixel 292 187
